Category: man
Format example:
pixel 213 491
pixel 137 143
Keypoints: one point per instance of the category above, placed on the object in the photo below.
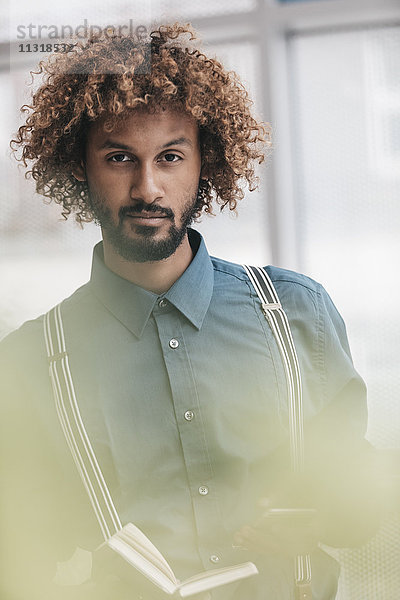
pixel 179 380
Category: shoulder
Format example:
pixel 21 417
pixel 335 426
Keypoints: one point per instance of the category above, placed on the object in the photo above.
pixel 298 292
pixel 283 278
pixel 301 296
pixel 292 279
pixel 25 349
pixel 25 386
pixel 18 344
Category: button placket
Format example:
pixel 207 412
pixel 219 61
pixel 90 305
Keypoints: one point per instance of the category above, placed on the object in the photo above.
pixel 172 333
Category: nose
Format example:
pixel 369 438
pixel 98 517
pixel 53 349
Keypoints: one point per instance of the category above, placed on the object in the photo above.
pixel 146 185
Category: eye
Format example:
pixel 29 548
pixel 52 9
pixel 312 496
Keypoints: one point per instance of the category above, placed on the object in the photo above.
pixel 119 157
pixel 171 157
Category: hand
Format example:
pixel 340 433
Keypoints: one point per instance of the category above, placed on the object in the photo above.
pixel 287 532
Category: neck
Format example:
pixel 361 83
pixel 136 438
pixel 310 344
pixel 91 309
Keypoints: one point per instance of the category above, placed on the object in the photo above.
pixel 156 276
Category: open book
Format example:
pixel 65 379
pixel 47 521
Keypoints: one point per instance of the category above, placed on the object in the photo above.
pixel 134 547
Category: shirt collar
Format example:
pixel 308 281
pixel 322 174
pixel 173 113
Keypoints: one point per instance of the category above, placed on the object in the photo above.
pixel 133 305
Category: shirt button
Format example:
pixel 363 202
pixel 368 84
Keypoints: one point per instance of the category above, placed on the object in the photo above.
pixel 214 558
pixel 189 415
pixel 203 490
pixel 162 303
pixel 173 343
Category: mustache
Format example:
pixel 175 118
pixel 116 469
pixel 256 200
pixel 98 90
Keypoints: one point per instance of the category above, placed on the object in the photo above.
pixel 142 207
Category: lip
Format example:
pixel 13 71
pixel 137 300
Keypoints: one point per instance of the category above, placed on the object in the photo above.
pixel 147 219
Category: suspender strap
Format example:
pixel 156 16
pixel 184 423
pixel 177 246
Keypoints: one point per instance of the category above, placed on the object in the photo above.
pixel 279 324
pixel 73 426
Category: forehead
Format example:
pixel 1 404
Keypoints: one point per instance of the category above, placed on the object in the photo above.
pixel 140 125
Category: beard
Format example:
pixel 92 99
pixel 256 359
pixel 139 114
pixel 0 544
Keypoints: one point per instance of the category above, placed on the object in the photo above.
pixel 144 247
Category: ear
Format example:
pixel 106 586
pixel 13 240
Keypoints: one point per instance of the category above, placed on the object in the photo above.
pixel 79 171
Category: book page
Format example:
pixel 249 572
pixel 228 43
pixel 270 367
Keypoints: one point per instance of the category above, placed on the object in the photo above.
pixel 133 536
pixel 136 559
pixel 214 578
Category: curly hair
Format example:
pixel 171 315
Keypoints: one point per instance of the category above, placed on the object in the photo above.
pixel 106 76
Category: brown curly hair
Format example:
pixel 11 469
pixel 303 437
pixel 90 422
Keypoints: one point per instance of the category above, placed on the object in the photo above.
pixel 107 75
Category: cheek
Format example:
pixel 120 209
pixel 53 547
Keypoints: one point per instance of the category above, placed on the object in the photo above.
pixel 106 180
pixel 187 181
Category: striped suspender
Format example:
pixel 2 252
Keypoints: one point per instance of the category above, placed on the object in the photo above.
pixel 279 324
pixel 73 426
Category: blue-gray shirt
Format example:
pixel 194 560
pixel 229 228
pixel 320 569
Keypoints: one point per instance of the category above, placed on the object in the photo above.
pixel 184 399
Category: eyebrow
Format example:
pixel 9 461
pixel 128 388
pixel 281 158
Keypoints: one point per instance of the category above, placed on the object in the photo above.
pixel 182 141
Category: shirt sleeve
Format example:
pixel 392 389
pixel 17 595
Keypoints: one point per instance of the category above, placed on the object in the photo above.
pixel 339 461
pixel 39 490
pixel 338 478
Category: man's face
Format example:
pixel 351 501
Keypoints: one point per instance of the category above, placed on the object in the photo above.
pixel 143 180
